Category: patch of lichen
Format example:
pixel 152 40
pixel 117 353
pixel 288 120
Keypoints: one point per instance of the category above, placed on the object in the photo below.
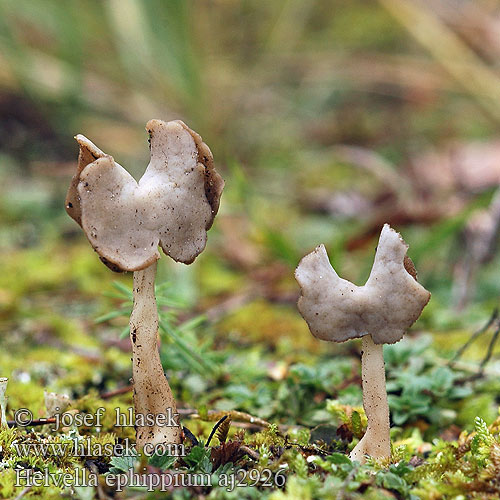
pixel 49 266
pixel 271 437
pixel 119 404
pixel 7 482
pixel 18 454
pixel 216 278
pixel 260 321
pixel 60 370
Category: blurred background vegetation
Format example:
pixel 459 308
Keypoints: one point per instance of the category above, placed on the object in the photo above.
pixel 326 119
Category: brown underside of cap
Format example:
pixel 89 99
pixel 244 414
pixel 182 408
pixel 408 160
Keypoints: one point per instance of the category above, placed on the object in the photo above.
pixel 88 153
pixel 410 267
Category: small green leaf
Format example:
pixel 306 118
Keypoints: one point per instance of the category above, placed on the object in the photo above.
pixel 162 461
pixel 391 481
pixel 122 463
pixel 123 289
pixel 338 459
pixel 357 427
pixel 199 459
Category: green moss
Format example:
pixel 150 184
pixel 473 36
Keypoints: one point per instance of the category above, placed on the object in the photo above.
pixel 259 321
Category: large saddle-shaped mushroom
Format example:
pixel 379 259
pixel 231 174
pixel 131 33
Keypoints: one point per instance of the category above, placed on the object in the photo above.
pixel 172 206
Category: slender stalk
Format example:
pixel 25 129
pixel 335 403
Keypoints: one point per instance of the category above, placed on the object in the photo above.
pixel 376 442
pixel 3 401
pixel 153 399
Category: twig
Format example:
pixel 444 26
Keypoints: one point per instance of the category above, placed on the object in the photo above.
pixel 475 335
pixel 490 349
pixel 33 423
pixel 239 419
pixel 481 236
pixel 474 371
pixel 23 492
pixel 251 453
pixel 481 370
pixel 233 414
pixel 307 449
pixel 116 392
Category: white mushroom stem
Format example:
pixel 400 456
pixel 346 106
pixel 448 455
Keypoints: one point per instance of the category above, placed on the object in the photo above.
pixel 376 442
pixel 3 401
pixel 153 399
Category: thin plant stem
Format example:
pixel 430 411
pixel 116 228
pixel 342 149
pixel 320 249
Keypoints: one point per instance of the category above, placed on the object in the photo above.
pixel 475 335
pixel 491 346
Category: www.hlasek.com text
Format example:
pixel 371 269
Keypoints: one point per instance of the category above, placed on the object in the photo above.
pixel 86 447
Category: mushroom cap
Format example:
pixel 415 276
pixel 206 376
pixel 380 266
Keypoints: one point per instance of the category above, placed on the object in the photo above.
pixel 172 206
pixel 385 307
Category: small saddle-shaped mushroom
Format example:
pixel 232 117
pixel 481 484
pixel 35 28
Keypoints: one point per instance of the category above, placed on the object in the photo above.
pixel 172 206
pixel 380 312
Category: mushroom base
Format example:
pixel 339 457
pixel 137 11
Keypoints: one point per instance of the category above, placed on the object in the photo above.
pixel 376 442
pixel 153 399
